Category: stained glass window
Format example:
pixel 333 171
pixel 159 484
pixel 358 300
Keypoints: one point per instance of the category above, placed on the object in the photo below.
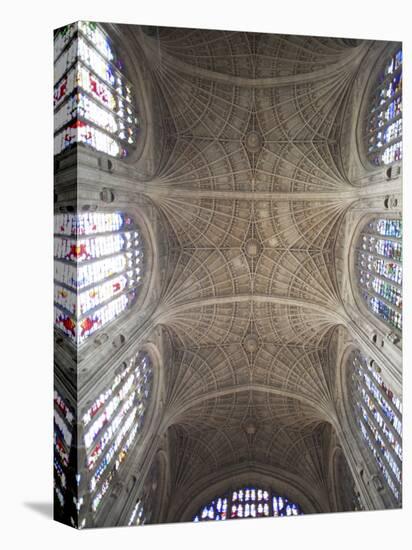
pixel 92 98
pixel 113 422
pixel 63 428
pixel 384 129
pixel 247 502
pixel 379 415
pixel 379 266
pixel 137 516
pixel 97 270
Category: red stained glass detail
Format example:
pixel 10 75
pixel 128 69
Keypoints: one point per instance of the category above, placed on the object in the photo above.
pixel 68 324
pixel 87 324
pixel 77 251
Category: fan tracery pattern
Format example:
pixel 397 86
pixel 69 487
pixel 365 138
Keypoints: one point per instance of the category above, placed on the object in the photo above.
pixel 251 301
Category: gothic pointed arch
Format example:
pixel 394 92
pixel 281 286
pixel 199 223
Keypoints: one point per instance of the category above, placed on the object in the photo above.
pixel 378 270
pixel 384 120
pixel 98 270
pixel 376 416
pixel 93 100
pixel 247 502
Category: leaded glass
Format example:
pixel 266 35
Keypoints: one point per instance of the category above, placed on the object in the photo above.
pixel 379 415
pixel 113 422
pixel 379 267
pixel 92 98
pixel 63 436
pixel 98 270
pixel 62 38
pixel 385 119
pixel 137 516
pixel 247 502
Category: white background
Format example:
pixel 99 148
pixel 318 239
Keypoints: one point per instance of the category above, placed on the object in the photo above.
pixel 26 202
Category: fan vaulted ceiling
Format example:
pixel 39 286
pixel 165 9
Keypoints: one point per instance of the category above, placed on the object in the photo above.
pixel 252 189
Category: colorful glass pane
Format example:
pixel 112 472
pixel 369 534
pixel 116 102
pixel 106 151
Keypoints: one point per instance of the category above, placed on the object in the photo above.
pixel 63 37
pixel 380 420
pixel 99 40
pixel 63 436
pixel 98 269
pixel 137 516
pixel 92 99
pixel 384 134
pixel 379 256
pixel 247 502
pixel 114 421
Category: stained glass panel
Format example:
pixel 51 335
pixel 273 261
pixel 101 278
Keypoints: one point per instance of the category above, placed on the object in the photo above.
pixel 100 41
pixel 137 516
pixel 379 267
pixel 379 415
pixel 62 38
pixel 63 437
pixel 385 119
pixel 92 98
pixel 98 270
pixel 247 502
pixel 113 422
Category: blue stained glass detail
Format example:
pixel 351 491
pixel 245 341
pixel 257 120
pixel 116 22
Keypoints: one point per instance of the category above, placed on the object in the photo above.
pixel 384 132
pixel 98 270
pixel 379 268
pixel 63 435
pixel 113 423
pixel 92 98
pixel 379 416
pixel 247 502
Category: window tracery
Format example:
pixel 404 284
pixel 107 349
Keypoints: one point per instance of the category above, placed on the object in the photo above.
pixel 247 502
pixel 113 422
pixel 92 98
pixel 63 437
pixel 385 118
pixel 137 516
pixel 97 270
pixel 379 268
pixel 379 415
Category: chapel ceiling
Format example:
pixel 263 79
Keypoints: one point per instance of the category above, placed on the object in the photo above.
pixel 252 428
pixel 251 187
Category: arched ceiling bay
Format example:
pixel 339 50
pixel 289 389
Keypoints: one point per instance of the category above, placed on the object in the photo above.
pixel 302 371
pixel 251 187
pixel 254 428
pixel 252 54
